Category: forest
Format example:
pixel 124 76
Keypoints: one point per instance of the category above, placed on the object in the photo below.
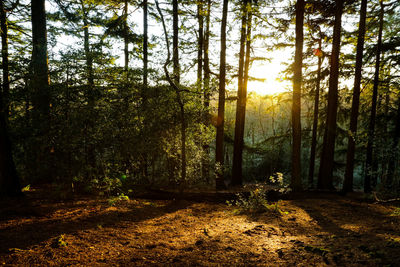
pixel 200 132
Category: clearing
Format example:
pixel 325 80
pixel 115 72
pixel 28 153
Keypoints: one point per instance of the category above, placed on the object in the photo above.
pixel 329 231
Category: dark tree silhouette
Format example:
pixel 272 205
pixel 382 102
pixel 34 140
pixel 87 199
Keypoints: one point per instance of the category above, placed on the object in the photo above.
pixel 351 147
pixel 296 107
pixel 325 176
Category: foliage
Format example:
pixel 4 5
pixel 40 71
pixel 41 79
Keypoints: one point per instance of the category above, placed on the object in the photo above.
pixel 118 132
pixel 256 202
pixel 26 188
pixel 117 199
pixel 396 212
pixel 59 242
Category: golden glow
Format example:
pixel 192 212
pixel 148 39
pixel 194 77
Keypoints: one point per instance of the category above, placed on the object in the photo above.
pixel 274 82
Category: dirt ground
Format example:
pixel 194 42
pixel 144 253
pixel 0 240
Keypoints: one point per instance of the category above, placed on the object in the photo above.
pixel 334 231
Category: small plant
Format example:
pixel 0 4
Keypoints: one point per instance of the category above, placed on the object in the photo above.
pixel 26 188
pixel 119 198
pixel 278 180
pixel 59 242
pixel 396 212
pixel 255 203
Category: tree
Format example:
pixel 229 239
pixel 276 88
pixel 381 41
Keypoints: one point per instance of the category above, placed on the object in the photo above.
pixel 200 19
pixel 296 106
pixel 316 114
pixel 370 169
pixel 219 145
pixel 9 179
pixel 245 35
pixel 348 177
pixel 145 44
pixel 41 91
pixel 207 93
pixel 325 176
pixel 175 39
pixel 126 36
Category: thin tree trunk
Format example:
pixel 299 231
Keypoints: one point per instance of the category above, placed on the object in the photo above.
pixel 325 176
pixel 9 179
pixel 370 176
pixel 5 63
pixel 315 120
pixel 296 107
pixel 126 40
pixel 41 94
pixel 145 82
pixel 237 178
pixel 206 147
pixel 219 147
pixel 175 38
pixel 175 60
pixel 351 146
pixel 145 44
pixel 200 18
pixel 90 94
pixel 207 59
pixel 89 59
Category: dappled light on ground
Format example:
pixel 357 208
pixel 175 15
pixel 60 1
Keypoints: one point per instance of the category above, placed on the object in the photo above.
pixel 178 232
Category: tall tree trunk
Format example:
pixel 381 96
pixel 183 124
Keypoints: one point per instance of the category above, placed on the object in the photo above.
pixel 90 93
pixel 325 176
pixel 175 60
pixel 9 179
pixel 126 40
pixel 370 176
pixel 145 82
pixel 315 119
pixel 200 18
pixel 41 93
pixel 175 38
pixel 296 107
pixel 238 142
pixel 351 146
pixel 206 115
pixel 175 85
pixel 5 63
pixel 207 59
pixel 89 58
pixel 145 44
pixel 219 146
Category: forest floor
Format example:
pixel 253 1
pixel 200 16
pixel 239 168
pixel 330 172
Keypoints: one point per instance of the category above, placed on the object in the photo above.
pixel 87 231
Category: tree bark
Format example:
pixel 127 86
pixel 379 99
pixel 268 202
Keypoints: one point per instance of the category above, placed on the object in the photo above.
pixel 145 44
pixel 369 175
pixel 175 38
pixel 296 107
pixel 9 179
pixel 175 60
pixel 5 62
pixel 200 19
pixel 219 147
pixel 351 146
pixel 238 143
pixel 90 92
pixel 126 40
pixel 206 115
pixel 325 176
pixel 315 120
pixel 41 93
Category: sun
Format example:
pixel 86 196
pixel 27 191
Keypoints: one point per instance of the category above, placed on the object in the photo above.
pixel 273 81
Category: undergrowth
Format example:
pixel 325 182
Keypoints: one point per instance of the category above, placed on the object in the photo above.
pixel 256 202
